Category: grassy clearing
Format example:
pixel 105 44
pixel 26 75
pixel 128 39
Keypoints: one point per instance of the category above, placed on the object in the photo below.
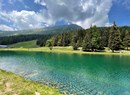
pixel 67 50
pixel 11 84
pixel 27 44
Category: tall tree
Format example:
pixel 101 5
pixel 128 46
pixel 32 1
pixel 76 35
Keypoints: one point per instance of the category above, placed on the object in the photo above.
pixel 60 40
pixel 87 43
pixel 80 36
pixel 55 40
pixel 65 40
pixel 114 38
pixel 75 41
pixel 104 37
pixel 96 36
pixel 92 40
pixel 49 44
pixel 126 40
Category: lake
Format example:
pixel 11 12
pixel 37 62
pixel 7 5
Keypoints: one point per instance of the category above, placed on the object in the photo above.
pixel 72 73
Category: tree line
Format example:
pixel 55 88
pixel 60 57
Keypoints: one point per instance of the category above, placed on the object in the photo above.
pixel 93 39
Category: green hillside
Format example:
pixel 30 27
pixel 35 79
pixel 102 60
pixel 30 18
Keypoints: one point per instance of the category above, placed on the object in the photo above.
pixel 27 44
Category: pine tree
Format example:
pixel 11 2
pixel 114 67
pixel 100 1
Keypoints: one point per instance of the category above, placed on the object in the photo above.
pixel 96 36
pixel 49 44
pixel 81 35
pixel 65 39
pixel 126 40
pixel 55 39
pixel 104 38
pixel 60 40
pixel 74 42
pixel 114 38
pixel 87 44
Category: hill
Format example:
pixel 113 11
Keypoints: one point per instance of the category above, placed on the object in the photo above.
pixel 45 31
pixel 26 44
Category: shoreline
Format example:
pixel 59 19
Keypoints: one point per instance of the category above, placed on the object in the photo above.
pixel 13 84
pixel 65 50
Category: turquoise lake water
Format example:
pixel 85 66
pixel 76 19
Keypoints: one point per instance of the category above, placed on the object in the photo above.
pixel 72 73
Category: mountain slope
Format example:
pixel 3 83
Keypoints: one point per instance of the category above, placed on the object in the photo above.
pixel 47 30
pixel 26 44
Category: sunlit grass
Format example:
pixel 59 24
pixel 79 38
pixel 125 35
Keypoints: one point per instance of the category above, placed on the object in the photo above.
pixel 68 50
pixel 11 84
pixel 26 44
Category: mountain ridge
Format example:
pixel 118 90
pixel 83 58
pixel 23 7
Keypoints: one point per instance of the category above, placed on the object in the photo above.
pixel 46 30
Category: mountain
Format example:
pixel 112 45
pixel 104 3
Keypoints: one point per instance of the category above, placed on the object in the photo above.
pixel 47 30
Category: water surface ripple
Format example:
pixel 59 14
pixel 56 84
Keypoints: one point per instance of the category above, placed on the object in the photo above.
pixel 72 73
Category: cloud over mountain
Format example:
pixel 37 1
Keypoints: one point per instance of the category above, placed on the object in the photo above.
pixel 42 13
pixel 81 12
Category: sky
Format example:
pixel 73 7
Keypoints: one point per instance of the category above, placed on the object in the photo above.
pixel 29 14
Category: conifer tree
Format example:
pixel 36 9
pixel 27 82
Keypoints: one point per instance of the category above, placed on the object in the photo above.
pixel 126 40
pixel 95 37
pixel 114 38
pixel 75 42
pixel 87 44
pixel 92 40
pixel 49 44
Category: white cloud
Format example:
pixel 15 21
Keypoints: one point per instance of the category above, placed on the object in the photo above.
pixel 109 24
pixel 26 19
pixel 81 12
pixel 41 2
pixel 124 3
pixel 6 28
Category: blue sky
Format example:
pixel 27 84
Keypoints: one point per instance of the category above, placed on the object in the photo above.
pixel 120 13
pixel 27 14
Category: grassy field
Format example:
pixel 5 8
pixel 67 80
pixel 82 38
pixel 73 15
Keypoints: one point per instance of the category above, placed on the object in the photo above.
pixel 67 50
pixel 27 44
pixel 11 84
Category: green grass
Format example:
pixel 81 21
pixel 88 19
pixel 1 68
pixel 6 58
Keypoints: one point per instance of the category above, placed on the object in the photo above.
pixel 27 44
pixel 11 84
pixel 31 46
pixel 67 50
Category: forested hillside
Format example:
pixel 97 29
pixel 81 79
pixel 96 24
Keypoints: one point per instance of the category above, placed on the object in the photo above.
pixel 95 39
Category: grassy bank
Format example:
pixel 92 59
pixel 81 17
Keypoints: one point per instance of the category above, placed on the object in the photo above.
pixel 11 84
pixel 65 50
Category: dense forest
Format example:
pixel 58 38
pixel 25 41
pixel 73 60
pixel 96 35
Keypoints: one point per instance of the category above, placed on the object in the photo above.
pixel 94 39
